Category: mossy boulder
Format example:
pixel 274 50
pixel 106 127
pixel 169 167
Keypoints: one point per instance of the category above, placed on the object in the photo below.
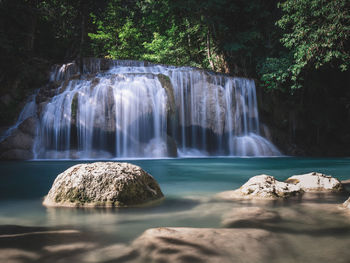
pixel 104 184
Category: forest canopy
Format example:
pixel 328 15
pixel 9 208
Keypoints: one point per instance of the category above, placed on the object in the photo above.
pixel 276 43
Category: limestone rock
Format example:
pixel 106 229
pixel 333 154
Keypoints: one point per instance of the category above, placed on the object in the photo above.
pixel 249 217
pixel 314 182
pixel 262 187
pixel 205 245
pixel 347 203
pixel 107 184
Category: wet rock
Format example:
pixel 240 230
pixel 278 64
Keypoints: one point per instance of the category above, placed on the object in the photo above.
pixel 249 217
pixel 205 245
pixel 171 147
pixel 347 203
pixel 29 126
pixel 19 144
pixel 17 140
pixel 166 84
pixel 262 187
pixel 106 184
pixel 314 182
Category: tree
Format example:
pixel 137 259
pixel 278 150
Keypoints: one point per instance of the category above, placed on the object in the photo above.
pixel 317 34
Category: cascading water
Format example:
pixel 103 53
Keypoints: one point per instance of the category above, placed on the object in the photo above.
pixel 136 109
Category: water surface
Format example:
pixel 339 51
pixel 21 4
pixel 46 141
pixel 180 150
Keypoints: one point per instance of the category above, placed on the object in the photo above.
pixel 189 185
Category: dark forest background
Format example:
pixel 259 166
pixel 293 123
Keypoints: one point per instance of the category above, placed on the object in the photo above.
pixel 298 51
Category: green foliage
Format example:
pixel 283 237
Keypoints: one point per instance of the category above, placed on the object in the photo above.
pixel 317 33
pixel 276 72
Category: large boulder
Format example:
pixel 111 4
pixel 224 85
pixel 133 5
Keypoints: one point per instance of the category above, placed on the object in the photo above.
pixel 106 184
pixel 347 203
pixel 205 245
pixel 262 187
pixel 314 182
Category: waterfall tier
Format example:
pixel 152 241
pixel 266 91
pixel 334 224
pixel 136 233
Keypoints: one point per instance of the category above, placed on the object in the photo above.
pixel 118 109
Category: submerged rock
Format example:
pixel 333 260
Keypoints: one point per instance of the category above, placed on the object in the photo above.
pixel 263 187
pixel 314 182
pixel 106 184
pixel 205 245
pixel 249 217
pixel 347 203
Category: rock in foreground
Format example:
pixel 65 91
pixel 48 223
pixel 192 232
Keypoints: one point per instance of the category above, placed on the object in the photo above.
pixel 205 245
pixel 263 187
pixel 315 182
pixel 105 184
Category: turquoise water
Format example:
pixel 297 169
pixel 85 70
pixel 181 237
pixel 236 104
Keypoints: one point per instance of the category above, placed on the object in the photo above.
pixel 188 184
pixel 32 180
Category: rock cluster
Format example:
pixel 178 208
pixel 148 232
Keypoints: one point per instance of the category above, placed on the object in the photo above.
pixel 267 187
pixel 106 184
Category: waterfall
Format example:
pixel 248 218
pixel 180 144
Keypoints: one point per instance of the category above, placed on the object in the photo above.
pixel 120 109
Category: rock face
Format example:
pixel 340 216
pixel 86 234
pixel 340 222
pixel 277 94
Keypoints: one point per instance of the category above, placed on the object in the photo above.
pixel 18 145
pixel 204 245
pixel 249 217
pixel 347 203
pixel 106 184
pixel 263 187
pixel 314 182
